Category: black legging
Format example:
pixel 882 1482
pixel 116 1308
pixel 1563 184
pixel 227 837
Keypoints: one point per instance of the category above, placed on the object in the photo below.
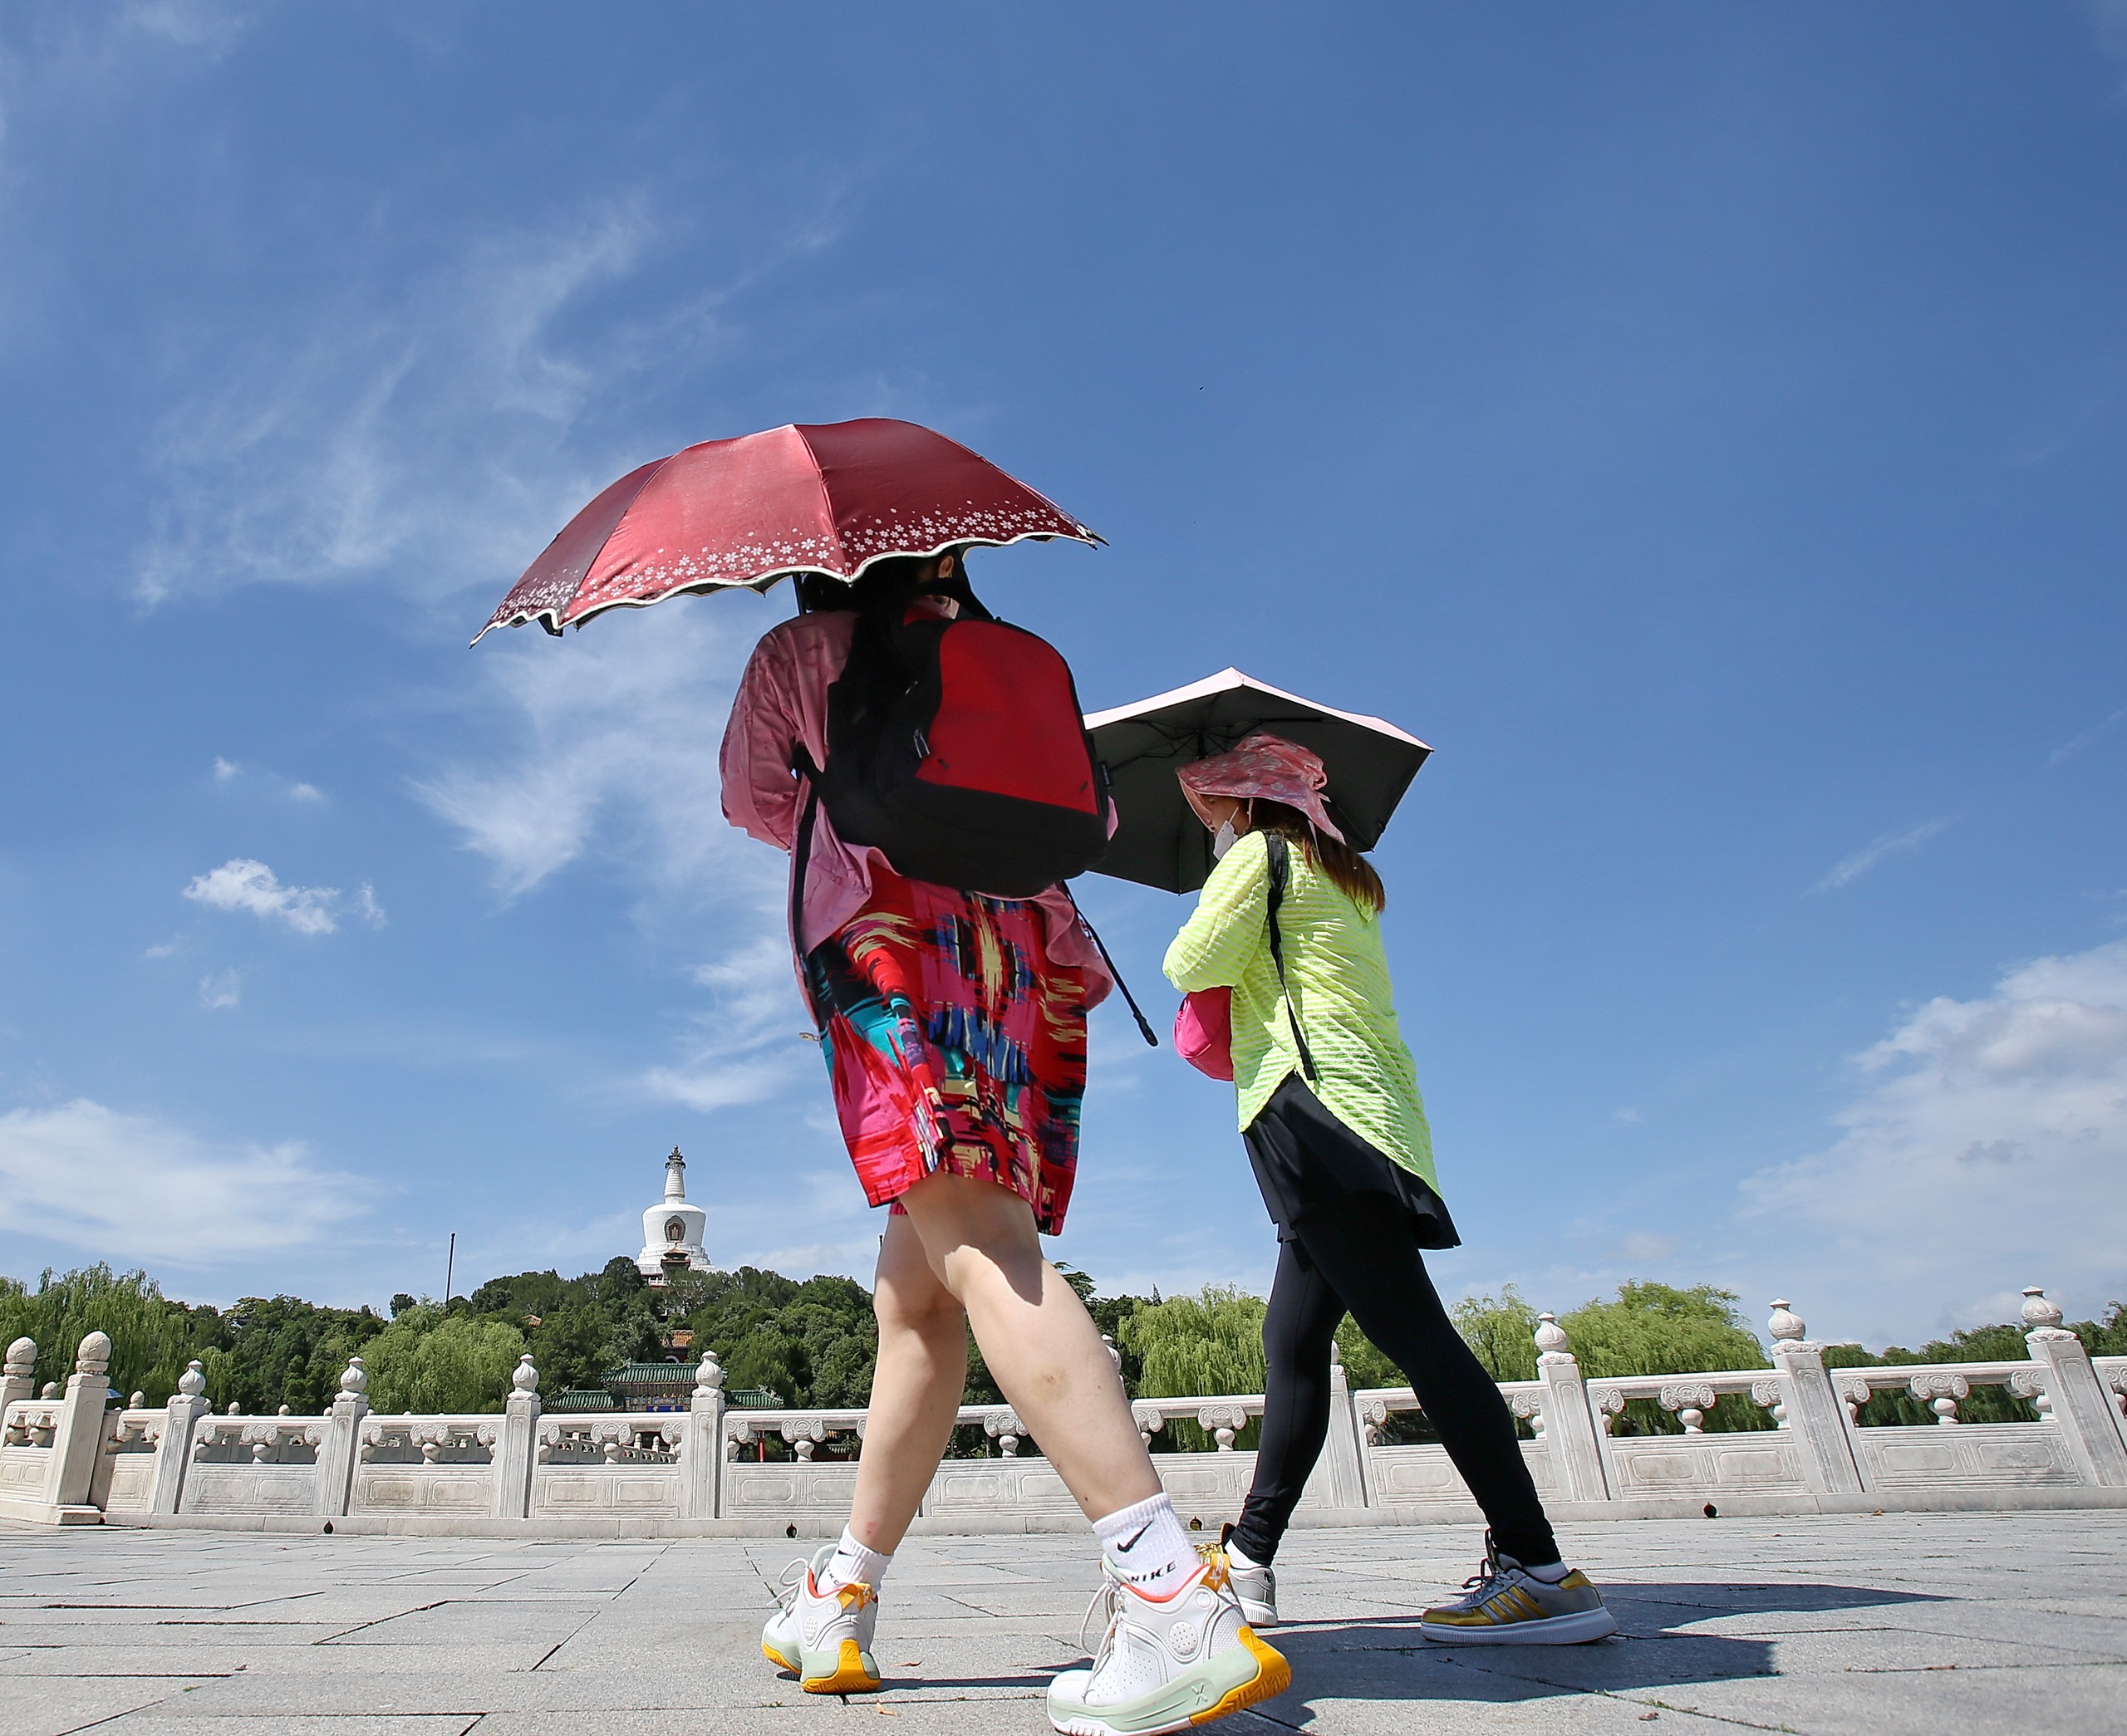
pixel 1358 1255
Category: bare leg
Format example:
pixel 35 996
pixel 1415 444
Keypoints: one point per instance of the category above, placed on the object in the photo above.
pixel 915 1392
pixel 1035 1334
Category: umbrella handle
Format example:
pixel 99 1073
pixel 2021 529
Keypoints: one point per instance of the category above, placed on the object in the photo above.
pixel 1135 1011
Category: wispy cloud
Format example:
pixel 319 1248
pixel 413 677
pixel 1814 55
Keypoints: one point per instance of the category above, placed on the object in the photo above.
pixel 612 746
pixel 1897 843
pixel 749 1043
pixel 228 772
pixel 367 908
pixel 2096 733
pixel 241 883
pixel 1985 1116
pixel 409 433
pixel 132 1187
pixel 220 989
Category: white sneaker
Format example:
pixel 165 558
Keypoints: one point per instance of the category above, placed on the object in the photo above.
pixel 1256 1588
pixel 1167 1663
pixel 825 1638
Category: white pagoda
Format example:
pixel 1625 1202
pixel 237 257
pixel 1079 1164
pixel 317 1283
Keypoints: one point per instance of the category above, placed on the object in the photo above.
pixel 671 1229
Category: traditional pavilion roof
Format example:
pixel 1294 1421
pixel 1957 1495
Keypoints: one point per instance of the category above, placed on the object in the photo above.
pixel 652 1374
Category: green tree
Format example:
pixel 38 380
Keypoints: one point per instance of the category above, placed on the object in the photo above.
pixel 1656 1329
pixel 426 1361
pixel 152 1338
pixel 284 1351
pixel 1501 1331
pixel 1200 1345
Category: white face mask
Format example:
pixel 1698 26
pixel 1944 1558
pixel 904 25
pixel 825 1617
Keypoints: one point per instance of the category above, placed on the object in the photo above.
pixel 1223 839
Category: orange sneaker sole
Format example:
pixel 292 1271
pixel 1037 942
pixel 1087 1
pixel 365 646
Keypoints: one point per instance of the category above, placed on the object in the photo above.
pixel 850 1676
pixel 1273 1676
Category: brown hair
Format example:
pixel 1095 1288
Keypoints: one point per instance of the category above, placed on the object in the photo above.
pixel 1353 873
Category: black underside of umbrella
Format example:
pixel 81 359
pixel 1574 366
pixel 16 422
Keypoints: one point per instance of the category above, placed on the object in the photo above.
pixel 1159 840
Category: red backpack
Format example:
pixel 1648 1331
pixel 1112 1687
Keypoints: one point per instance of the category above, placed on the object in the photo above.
pixel 956 747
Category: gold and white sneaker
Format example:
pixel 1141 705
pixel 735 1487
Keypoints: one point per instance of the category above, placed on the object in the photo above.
pixel 824 1638
pixel 1503 1604
pixel 1166 1664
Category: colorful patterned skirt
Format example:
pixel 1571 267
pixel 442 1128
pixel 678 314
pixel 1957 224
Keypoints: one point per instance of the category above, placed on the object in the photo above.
pixel 952 1043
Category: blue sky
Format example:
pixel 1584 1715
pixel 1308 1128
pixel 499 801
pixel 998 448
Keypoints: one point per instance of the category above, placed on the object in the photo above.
pixel 1705 425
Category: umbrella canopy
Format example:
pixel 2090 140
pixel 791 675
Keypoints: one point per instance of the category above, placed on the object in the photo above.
pixel 828 497
pixel 1158 840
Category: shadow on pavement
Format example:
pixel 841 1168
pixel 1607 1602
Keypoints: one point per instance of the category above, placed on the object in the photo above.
pixel 1390 1659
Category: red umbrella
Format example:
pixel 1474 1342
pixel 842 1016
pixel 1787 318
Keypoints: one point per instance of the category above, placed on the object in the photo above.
pixel 828 497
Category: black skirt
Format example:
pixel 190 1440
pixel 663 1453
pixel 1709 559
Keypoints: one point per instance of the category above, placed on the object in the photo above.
pixel 1305 1157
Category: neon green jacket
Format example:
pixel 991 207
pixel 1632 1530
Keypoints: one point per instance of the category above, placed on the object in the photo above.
pixel 1338 977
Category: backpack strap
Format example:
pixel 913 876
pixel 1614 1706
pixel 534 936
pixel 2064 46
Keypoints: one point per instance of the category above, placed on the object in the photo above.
pixel 801 853
pixel 1135 1011
pixel 1280 869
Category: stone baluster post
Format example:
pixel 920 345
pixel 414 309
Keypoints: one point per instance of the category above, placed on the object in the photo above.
pixel 1569 1431
pixel 701 1451
pixel 174 1451
pixel 78 1442
pixel 1813 1410
pixel 2080 1408
pixel 343 1434
pixel 1344 1464
pixel 19 1381
pixel 516 1450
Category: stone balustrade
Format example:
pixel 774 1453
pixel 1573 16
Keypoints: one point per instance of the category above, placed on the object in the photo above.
pixel 70 1457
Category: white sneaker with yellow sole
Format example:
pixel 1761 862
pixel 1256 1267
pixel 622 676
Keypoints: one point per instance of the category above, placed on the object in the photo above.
pixel 823 1637
pixel 1166 1664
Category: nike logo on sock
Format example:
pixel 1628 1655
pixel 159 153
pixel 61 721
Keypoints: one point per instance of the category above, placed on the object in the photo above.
pixel 1125 1548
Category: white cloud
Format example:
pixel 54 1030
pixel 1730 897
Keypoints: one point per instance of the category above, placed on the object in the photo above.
pixel 750 1043
pixel 613 739
pixel 1988 1154
pixel 130 1187
pixel 227 771
pixel 368 908
pixel 613 734
pixel 411 432
pixel 1845 873
pixel 2097 731
pixel 241 883
pixel 219 990
pixel 1626 1117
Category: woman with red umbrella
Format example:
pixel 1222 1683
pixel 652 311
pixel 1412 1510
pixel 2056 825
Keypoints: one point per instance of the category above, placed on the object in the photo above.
pixel 953 1020
pixel 953 1024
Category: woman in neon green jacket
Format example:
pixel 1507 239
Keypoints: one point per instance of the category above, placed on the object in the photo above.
pixel 1329 1111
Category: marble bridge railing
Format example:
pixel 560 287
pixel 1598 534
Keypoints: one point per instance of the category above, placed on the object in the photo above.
pixel 78 1457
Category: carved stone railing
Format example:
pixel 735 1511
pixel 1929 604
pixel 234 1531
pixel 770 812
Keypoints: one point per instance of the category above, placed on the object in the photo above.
pixel 65 1457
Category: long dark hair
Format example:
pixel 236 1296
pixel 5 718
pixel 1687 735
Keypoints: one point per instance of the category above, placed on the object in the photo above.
pixel 1353 873
pixel 886 582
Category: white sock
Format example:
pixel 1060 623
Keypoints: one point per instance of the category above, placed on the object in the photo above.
pixel 1147 1547
pixel 854 1565
pixel 1550 1573
pixel 1239 1560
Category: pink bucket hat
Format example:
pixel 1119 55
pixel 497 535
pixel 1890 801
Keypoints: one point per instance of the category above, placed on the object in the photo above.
pixel 1270 767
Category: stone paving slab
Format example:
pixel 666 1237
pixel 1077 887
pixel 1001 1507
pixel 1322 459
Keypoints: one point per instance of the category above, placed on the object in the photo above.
pixel 1920 1623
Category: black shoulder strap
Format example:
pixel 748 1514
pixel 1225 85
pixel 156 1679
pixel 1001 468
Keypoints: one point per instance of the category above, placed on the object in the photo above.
pixel 1135 1012
pixel 801 853
pixel 1280 868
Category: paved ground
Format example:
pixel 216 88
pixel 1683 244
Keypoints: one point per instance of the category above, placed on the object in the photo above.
pixel 1929 1624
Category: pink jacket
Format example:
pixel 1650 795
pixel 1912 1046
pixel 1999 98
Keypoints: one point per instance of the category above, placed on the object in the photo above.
pixel 782 703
